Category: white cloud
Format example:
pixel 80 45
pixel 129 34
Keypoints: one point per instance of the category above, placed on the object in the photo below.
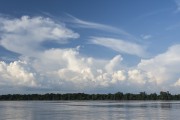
pixel 68 66
pixel 26 34
pixel 119 45
pixel 118 76
pixel 67 69
pixel 145 37
pixel 177 83
pixel 163 68
pixel 114 63
pixel 86 24
pixel 61 69
pixel 136 76
pixel 16 74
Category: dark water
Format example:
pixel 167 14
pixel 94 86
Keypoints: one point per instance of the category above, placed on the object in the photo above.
pixel 89 110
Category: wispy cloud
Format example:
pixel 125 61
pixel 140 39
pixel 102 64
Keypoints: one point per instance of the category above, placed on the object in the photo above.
pixel 93 25
pixel 120 45
pixel 151 14
pixel 145 37
pixel 178 5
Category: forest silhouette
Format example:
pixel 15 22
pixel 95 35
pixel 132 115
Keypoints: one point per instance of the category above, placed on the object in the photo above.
pixel 82 96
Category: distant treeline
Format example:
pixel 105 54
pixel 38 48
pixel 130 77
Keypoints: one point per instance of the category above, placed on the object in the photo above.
pixel 83 96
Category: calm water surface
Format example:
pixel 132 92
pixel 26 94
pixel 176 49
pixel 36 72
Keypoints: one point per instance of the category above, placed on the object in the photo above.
pixel 89 110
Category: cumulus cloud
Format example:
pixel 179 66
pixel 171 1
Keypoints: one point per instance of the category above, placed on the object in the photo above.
pixel 69 67
pixel 114 63
pixel 177 83
pixel 16 73
pixel 136 76
pixel 65 70
pixel 163 68
pixel 119 45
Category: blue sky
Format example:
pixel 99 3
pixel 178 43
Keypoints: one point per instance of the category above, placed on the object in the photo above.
pixel 89 46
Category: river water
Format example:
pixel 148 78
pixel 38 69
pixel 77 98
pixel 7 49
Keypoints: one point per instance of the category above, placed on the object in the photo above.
pixel 89 110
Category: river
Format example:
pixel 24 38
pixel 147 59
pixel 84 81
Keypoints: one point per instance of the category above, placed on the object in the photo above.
pixel 89 110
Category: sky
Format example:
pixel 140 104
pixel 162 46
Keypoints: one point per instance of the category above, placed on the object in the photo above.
pixel 102 46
